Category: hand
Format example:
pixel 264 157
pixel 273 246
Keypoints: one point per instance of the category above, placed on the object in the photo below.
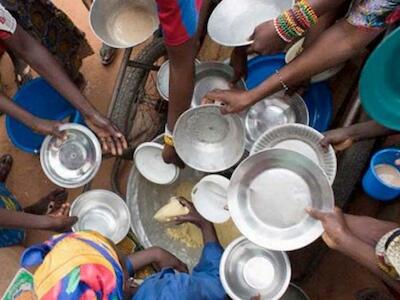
pixel 59 220
pixel 340 139
pixel 266 40
pixel 111 138
pixel 233 101
pixel 48 127
pixel 335 226
pixel 170 156
pixel 164 259
pixel 192 217
pixel 239 63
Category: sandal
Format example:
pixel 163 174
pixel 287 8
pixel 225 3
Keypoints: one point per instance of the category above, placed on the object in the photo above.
pixel 22 77
pixel 107 54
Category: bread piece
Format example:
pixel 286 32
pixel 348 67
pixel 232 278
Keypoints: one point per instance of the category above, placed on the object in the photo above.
pixel 173 209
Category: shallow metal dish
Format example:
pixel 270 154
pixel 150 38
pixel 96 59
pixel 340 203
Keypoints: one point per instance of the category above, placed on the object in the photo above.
pixel 213 75
pixel 73 162
pixel 208 141
pixel 268 194
pixel 233 21
pixel 123 24
pixel 272 111
pixel 294 293
pixel 102 211
pixel 162 83
pixel 302 139
pixel 236 263
pixel 145 198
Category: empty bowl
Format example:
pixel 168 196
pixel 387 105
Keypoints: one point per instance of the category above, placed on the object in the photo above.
pixel 208 141
pixel 72 162
pixel 247 270
pixel 101 211
pixel 210 198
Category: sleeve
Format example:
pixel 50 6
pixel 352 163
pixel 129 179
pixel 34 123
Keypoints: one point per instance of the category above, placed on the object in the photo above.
pixel 8 24
pixel 371 14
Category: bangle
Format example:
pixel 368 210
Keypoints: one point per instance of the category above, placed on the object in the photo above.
pixel 284 85
pixel 168 140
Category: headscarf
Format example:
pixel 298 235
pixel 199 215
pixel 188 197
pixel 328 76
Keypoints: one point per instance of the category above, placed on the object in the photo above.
pixel 80 265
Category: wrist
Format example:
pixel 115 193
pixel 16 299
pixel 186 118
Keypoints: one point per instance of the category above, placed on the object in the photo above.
pixel 46 223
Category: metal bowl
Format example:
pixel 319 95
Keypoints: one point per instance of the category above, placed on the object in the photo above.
pixel 73 162
pixel 208 141
pixel 162 82
pixel 123 24
pixel 247 270
pixel 102 211
pixel 268 194
pixel 233 21
pixel 294 293
pixel 213 75
pixel 272 111
pixel 302 139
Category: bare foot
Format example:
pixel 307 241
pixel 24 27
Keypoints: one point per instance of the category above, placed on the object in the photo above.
pixel 60 220
pixel 6 162
pixel 49 204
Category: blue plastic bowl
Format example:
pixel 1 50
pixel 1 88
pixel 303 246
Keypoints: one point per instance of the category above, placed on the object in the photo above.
pixel 41 100
pixel 372 184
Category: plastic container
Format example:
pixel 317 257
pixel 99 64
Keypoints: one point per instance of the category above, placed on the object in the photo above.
pixel 375 186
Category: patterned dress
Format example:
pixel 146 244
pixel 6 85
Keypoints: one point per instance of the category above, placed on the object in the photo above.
pixel 54 29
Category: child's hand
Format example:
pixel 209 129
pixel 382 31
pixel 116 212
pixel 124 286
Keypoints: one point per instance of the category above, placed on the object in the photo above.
pixel 164 259
pixel 266 40
pixel 59 220
pixel 170 156
pixel 233 101
pixel 335 226
pixel 192 217
pixel 340 139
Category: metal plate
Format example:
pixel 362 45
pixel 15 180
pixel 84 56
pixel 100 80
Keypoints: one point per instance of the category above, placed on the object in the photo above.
pixel 302 139
pixel 208 141
pixel 102 211
pixel 123 24
pixel 233 21
pixel 268 194
pixel 73 162
pixel 275 110
pixel 236 263
pixel 162 82
pixel 211 76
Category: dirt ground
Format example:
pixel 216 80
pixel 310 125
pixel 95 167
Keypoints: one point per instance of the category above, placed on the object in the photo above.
pixel 337 277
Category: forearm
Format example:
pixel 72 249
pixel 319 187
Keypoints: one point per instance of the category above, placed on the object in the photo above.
pixel 367 130
pixel 10 108
pixel 336 45
pixel 322 7
pixel 208 232
pixel 40 59
pixel 144 258
pixel 181 84
pixel 364 254
pixel 17 219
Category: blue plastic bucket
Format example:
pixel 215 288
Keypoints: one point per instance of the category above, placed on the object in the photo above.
pixel 372 184
pixel 43 101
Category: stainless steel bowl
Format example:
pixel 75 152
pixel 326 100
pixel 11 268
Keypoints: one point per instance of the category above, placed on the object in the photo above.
pixel 102 211
pixel 272 111
pixel 73 162
pixel 162 83
pixel 247 270
pixel 123 24
pixel 213 75
pixel 302 139
pixel 208 141
pixel 294 293
pixel 233 21
pixel 268 194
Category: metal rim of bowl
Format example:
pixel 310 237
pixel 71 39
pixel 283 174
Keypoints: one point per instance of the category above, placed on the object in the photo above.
pixel 294 101
pixel 158 146
pixel 177 148
pixel 97 148
pixel 241 224
pixel 112 44
pixel 327 159
pixel 223 262
pixel 112 195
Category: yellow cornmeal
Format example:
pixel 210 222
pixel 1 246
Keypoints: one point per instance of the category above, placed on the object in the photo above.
pixel 190 235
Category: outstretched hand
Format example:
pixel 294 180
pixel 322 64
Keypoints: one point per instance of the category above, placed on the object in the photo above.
pixel 165 259
pixel 192 217
pixel 340 139
pixel 266 40
pixel 232 101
